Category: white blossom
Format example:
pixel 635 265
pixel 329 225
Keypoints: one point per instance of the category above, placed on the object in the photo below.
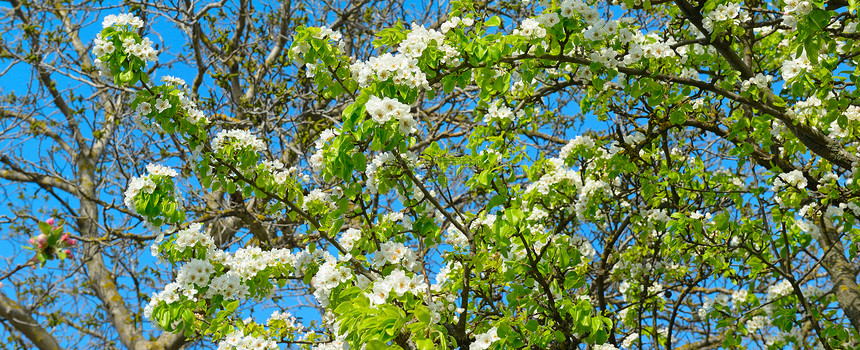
pixel 241 139
pixel 122 20
pixel 484 340
pixel 531 29
pixel 143 109
pixel 162 104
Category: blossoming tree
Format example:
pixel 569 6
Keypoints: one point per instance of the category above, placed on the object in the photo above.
pixel 716 208
pixel 69 146
pixel 709 199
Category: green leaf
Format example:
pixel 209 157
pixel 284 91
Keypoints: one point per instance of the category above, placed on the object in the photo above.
pixel 335 228
pixel 677 117
pixel 821 19
pixel 422 314
pixel 376 344
pixel 448 84
pixel 496 201
pixel 514 215
pixel 425 344
pixel 44 227
pixel 494 21
pixel 532 325
pixel 231 306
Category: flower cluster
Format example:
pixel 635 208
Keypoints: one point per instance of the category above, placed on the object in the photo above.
pixel 301 48
pixel 328 33
pixel 794 67
pixel 811 228
pixel 583 141
pixel 338 343
pixel 51 243
pixel 630 340
pixel 348 239
pixel 142 49
pixel 756 323
pixel 135 186
pixel 229 285
pixel 328 277
pixel 420 38
pixel 557 173
pixel 708 304
pixel 192 236
pixel 102 47
pixel 161 170
pixel 189 106
pixel 835 130
pixel 396 253
pixel 455 238
pixel 453 22
pixel 169 295
pixel 279 172
pixel 569 8
pixel 583 245
pixel 606 56
pixel 290 321
pixel 496 111
pixel 805 111
pixel 397 282
pixel 241 139
pixel 601 30
pixel 793 178
pixel 779 290
pixel 195 272
pixel 242 265
pixel 852 113
pixel 760 80
pixel 401 69
pixel 174 94
pixel 121 34
pixel 247 262
pixel 484 340
pixel 652 47
pixel 655 47
pixel 373 167
pixel 795 9
pixel 739 297
pixel 530 29
pixel 316 159
pixel 238 341
pixel 145 183
pixel 722 13
pixel 385 109
pixel 121 20
pixel 319 196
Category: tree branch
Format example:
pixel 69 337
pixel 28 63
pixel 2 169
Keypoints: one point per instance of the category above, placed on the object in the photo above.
pixel 46 181
pixel 22 321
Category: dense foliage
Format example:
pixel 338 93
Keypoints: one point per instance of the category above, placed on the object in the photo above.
pixel 560 175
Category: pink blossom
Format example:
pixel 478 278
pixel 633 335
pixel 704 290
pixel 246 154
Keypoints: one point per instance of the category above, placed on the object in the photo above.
pixel 50 221
pixel 42 239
